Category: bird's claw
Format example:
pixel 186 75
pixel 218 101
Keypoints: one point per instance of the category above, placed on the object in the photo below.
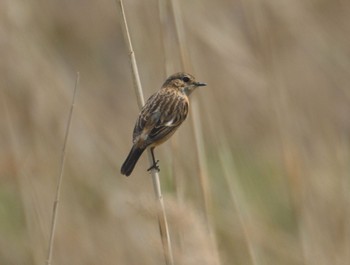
pixel 154 166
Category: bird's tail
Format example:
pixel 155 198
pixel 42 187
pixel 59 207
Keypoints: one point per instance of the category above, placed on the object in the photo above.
pixel 131 160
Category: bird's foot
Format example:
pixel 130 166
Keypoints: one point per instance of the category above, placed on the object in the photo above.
pixel 154 166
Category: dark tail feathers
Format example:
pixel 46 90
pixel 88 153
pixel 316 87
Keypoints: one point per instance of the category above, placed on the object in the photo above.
pixel 131 160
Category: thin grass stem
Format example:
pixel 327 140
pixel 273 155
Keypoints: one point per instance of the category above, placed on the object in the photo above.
pixel 60 177
pixel 197 127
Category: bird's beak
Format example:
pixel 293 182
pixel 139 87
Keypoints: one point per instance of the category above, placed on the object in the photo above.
pixel 200 84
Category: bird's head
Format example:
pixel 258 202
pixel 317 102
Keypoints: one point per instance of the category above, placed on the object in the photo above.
pixel 184 82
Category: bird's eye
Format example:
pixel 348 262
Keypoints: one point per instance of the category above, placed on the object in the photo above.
pixel 185 79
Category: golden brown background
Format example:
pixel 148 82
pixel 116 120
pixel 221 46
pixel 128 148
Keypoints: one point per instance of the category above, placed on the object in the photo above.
pixel 275 120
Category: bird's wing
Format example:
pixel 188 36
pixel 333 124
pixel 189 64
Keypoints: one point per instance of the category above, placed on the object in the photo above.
pixel 160 116
pixel 144 116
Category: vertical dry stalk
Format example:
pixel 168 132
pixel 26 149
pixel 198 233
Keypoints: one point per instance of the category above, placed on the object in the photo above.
pixel 178 179
pixel 186 65
pixel 197 127
pixel 60 177
pixel 162 220
pixel 162 9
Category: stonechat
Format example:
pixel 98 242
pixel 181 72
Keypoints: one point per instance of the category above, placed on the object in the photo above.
pixel 159 118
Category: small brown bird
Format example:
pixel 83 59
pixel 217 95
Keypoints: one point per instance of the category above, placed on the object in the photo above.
pixel 159 118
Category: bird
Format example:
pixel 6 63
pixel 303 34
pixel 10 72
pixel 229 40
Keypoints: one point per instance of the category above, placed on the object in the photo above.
pixel 160 117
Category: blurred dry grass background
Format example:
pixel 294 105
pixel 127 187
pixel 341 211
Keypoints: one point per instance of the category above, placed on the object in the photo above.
pixel 275 120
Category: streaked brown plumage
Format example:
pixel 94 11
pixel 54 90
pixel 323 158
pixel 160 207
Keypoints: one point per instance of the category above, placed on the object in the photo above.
pixel 159 118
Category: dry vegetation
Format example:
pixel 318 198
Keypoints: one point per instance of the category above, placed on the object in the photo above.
pixel 275 120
